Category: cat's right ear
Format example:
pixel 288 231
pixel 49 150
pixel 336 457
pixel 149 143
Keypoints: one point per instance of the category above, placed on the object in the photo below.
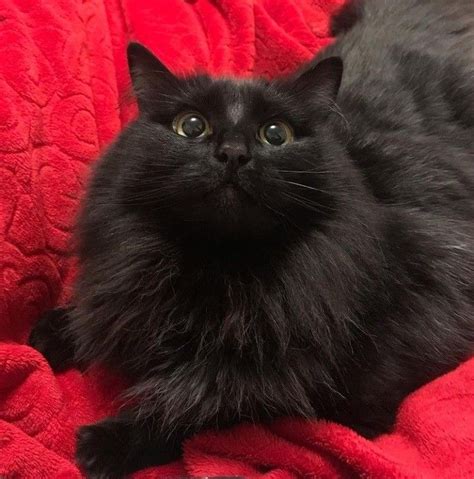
pixel 150 78
pixel 321 81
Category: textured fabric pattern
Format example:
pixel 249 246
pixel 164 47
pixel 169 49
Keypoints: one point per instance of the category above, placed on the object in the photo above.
pixel 63 85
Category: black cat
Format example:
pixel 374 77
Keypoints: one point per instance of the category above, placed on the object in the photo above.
pixel 297 247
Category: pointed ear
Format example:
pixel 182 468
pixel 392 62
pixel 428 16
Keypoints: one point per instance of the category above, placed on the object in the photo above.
pixel 150 77
pixel 322 80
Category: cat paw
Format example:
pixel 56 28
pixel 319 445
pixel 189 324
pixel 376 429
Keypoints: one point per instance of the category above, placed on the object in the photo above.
pixel 100 451
pixel 49 339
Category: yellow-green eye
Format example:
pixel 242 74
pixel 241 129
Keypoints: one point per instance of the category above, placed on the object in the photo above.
pixel 191 125
pixel 276 133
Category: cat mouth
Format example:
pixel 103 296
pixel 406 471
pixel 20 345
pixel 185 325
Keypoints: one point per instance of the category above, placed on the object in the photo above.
pixel 230 193
pixel 234 185
pixel 233 194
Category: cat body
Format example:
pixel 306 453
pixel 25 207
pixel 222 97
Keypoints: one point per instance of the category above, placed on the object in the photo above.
pixel 325 277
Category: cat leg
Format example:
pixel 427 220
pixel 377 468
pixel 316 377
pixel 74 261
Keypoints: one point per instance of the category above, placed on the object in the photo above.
pixel 117 446
pixel 49 336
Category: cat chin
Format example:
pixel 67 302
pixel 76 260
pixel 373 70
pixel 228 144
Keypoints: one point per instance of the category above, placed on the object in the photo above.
pixel 234 221
pixel 230 212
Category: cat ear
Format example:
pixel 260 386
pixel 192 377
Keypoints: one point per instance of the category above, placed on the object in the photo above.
pixel 150 77
pixel 321 80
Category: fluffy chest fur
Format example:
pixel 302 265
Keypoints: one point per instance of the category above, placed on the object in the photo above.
pixel 228 334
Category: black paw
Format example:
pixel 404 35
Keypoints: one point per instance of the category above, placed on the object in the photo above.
pixel 102 450
pixel 117 446
pixel 49 338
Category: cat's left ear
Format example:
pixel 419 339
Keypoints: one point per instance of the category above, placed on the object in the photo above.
pixel 150 77
pixel 322 80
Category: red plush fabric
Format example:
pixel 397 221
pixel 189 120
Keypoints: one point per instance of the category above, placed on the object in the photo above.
pixel 62 80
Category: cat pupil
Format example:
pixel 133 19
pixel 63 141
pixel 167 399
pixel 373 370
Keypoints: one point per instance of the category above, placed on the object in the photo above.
pixel 193 126
pixel 275 134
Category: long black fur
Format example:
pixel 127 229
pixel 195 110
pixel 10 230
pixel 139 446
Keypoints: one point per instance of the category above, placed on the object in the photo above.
pixel 336 279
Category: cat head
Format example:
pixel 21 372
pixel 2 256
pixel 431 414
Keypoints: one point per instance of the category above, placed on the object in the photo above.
pixel 226 157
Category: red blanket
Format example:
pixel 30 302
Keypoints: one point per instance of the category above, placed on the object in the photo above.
pixel 62 77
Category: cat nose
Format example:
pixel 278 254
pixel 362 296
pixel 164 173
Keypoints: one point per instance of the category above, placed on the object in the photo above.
pixel 236 153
